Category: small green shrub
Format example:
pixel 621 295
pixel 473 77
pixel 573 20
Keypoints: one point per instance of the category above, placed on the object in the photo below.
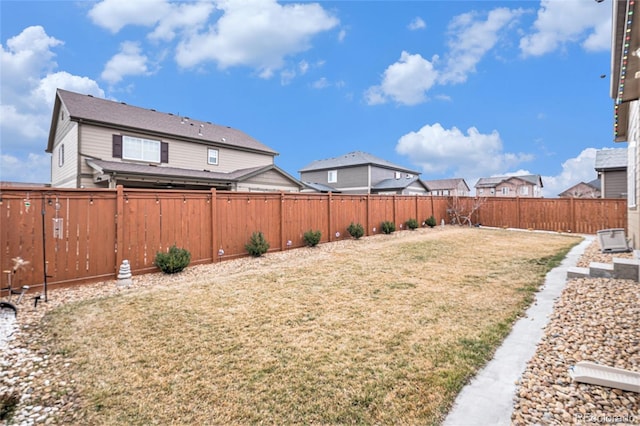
pixel 388 227
pixel 356 230
pixel 431 221
pixel 257 245
pixel 412 224
pixel 312 238
pixel 175 260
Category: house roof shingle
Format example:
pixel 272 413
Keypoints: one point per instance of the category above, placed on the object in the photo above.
pixel 615 158
pixel 389 184
pixel 108 167
pixel 120 115
pixel 491 182
pixel 355 158
pixel 438 184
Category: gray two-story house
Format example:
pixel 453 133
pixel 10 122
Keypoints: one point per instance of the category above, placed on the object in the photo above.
pixel 361 173
pixel 98 143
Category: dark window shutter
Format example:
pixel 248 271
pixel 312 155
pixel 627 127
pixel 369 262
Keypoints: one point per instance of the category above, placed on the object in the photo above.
pixel 164 152
pixel 117 146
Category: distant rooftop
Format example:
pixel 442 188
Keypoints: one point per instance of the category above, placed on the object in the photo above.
pixel 614 158
pixel 355 158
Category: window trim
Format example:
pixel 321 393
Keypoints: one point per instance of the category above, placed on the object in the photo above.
pixel 209 151
pixel 61 155
pixel 332 176
pixel 128 140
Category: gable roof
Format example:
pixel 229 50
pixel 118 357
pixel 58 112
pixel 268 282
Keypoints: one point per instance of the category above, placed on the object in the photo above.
pixel 320 187
pixel 437 184
pixel 119 115
pixel 615 158
pixel 206 177
pixel 494 181
pixel 594 185
pixel 389 184
pixel 355 158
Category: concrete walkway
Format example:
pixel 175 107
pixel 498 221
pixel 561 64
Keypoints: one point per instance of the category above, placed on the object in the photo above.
pixel 488 398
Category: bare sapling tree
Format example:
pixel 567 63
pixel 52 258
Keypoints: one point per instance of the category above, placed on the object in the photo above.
pixel 462 209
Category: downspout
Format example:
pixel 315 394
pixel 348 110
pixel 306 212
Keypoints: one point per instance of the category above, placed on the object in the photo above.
pixel 78 158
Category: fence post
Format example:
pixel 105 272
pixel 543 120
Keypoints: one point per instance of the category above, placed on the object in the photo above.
pixel 367 228
pixel 433 212
pixel 214 229
pixel 572 217
pixel 119 227
pixel 395 208
pixel 518 213
pixel 283 243
pixel 329 202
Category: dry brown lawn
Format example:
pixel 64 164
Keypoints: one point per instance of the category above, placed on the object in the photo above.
pixel 383 330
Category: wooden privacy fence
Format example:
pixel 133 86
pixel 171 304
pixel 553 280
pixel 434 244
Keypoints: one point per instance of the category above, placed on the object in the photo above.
pixel 79 235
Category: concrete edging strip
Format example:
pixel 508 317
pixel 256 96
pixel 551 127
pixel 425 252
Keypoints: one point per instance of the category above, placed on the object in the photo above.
pixel 488 398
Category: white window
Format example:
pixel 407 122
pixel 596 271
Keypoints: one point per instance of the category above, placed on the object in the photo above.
pixel 505 190
pixel 140 149
pixel 481 191
pixel 212 157
pixel 61 156
pixel 398 175
pixel 524 190
pixel 332 176
pixel 445 192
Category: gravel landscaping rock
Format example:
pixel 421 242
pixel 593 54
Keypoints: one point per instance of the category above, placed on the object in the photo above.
pixel 594 320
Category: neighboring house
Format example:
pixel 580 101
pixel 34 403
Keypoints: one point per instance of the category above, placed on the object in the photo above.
pixel 98 143
pixel 583 190
pixel 525 186
pixel 456 187
pixel 625 91
pixel 362 173
pixel 611 165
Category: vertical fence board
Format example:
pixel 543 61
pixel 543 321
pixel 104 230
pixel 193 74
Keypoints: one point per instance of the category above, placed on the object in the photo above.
pixel 103 227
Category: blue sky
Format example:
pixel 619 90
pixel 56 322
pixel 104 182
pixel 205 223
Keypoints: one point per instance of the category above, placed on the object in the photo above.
pixel 448 88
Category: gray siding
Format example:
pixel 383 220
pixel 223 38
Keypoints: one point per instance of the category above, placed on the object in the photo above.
pixel 614 184
pixel 378 174
pixel 352 177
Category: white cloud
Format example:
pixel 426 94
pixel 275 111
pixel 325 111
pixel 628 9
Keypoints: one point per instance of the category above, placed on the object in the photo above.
pixel 28 85
pixel 471 39
pixel 471 154
pixel 321 83
pixel 182 17
pixel 27 54
pixel 256 33
pixel 342 35
pixel 129 61
pixel 116 14
pixel 404 82
pixel 574 171
pixel 417 24
pixel 569 21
